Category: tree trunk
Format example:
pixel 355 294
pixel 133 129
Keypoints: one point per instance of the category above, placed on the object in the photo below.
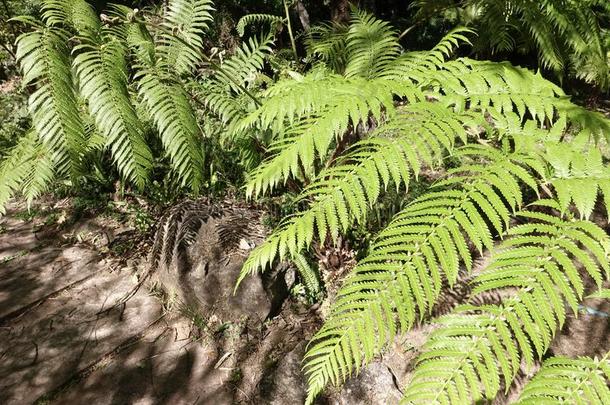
pixel 303 15
pixel 340 10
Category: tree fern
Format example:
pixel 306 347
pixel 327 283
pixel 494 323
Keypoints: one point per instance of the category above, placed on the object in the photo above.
pixel 476 344
pixel 402 275
pixel 570 381
pixel 181 41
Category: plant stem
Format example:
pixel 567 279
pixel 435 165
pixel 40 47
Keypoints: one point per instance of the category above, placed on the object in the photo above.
pixel 289 25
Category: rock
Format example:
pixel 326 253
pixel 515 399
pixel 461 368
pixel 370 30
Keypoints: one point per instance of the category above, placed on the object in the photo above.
pixel 288 379
pixel 203 275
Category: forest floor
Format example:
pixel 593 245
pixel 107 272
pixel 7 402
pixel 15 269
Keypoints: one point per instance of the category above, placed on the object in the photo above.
pixel 63 340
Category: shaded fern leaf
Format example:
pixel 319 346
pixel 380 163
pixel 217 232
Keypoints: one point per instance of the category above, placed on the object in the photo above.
pixel 44 59
pixel 77 15
pixel 400 280
pixel 565 380
pixel 102 75
pixel 181 40
pixel 477 345
pixel 29 168
pixel 258 19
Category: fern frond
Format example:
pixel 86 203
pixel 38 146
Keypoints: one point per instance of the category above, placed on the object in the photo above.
pixel 181 41
pixel 44 58
pixel 371 46
pixel 29 167
pixel 476 344
pixel 330 106
pixel 400 280
pixel 241 68
pixel 74 14
pixel 578 177
pixel 168 104
pixel 569 381
pixel 102 75
pixel 309 276
pixel 258 19
pixel 328 42
pixel 341 195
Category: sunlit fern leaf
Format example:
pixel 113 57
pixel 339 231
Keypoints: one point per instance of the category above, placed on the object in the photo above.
pixel 478 345
pixel 569 381
pixel 44 59
pixel 331 106
pixel 418 65
pixel 102 74
pixel 418 135
pixel 371 45
pixel 400 280
pixel 28 167
pixel 578 176
pixel 181 40
pixel 73 14
pixel 258 19
pixel 309 276
pixel 174 117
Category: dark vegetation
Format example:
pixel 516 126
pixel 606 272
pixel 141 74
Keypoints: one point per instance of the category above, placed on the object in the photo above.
pixel 391 144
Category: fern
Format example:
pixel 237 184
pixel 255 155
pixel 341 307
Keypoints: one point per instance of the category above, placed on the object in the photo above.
pixel 258 20
pixel 476 344
pixel 404 270
pixel 418 135
pixel 181 41
pixel 565 380
pixel 558 30
pixel 28 168
pixel 44 58
pixel 102 75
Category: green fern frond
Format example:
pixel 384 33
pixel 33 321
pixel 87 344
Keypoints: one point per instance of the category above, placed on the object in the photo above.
pixel 45 63
pixel 569 381
pixel 371 46
pixel 329 107
pixel 578 177
pixel 258 19
pixel 309 276
pixel 181 40
pixel 29 168
pixel 241 68
pixel 328 42
pixel 464 359
pixel 102 74
pixel 400 280
pixel 168 104
pixel 74 14
pixel 419 135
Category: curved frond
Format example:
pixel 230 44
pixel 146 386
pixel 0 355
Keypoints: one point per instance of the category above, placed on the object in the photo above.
pixel 538 265
pixel 570 381
pixel 419 135
pixel 27 168
pixel 181 41
pixel 258 19
pixel 371 46
pixel 400 280
pixel 102 75
pixel 168 104
pixel 75 14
